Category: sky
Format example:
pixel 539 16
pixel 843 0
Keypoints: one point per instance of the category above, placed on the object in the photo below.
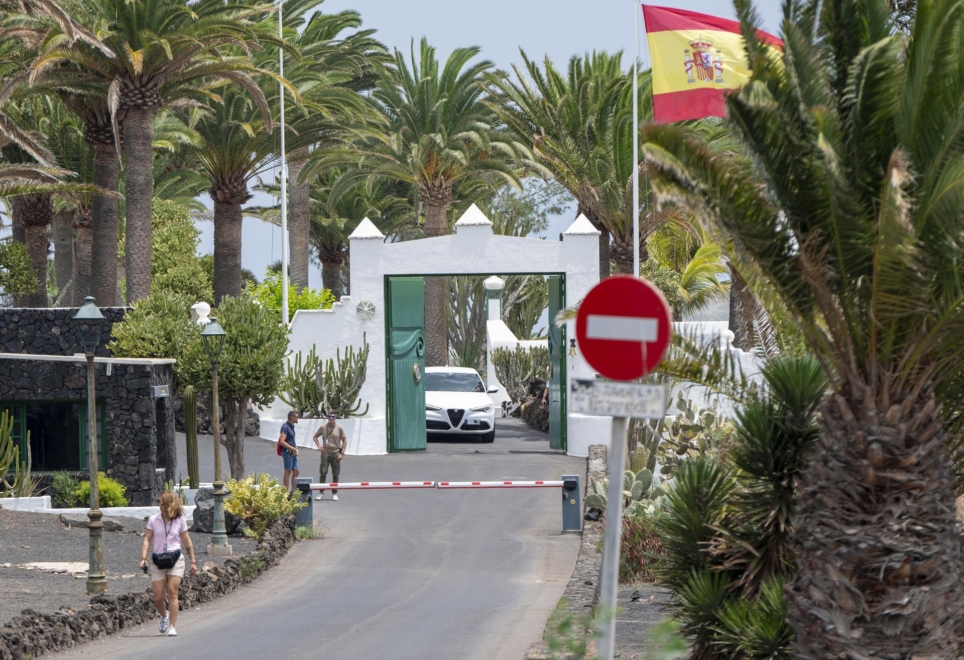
pixel 559 28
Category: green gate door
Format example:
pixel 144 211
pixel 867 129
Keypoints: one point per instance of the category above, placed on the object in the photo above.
pixel 557 360
pixel 405 351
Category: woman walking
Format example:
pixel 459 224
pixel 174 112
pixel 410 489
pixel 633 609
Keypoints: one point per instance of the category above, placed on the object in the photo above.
pixel 167 531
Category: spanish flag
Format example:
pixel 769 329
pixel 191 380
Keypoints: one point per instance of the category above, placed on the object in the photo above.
pixel 696 59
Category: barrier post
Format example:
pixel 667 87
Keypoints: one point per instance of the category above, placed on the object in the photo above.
pixel 306 515
pixel 571 503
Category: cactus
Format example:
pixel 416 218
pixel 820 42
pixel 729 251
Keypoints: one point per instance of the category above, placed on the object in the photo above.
pixel 190 433
pixel 314 387
pixel 19 482
pixel 299 389
pixel 516 368
pixel 637 488
pixel 340 382
pixel 692 432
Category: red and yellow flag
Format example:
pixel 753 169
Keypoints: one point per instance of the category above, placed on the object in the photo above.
pixel 696 59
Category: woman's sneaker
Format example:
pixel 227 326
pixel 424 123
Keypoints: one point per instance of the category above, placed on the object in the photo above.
pixel 171 632
pixel 164 624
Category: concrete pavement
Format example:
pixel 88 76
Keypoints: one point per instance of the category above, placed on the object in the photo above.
pixel 399 574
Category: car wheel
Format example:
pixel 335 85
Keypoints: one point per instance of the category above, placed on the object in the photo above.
pixel 488 437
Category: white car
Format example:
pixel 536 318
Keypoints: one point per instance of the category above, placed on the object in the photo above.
pixel 456 401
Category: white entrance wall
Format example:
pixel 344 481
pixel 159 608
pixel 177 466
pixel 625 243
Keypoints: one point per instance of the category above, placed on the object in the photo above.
pixel 472 250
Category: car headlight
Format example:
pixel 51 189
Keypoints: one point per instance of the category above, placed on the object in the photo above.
pixel 483 409
pixel 429 406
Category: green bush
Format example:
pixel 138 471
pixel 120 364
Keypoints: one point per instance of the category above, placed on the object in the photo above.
pixel 111 491
pixel 268 293
pixel 63 490
pixel 259 501
pixel 727 521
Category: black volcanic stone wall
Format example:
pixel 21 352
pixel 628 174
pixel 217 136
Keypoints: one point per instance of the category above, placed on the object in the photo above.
pixel 51 331
pixel 140 433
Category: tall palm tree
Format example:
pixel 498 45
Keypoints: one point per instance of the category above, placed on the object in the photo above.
pixel 163 53
pixel 333 66
pixel 559 118
pixel 851 211
pixel 439 137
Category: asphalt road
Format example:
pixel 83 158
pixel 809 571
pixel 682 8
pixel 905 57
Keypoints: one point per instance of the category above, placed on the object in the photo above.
pixel 398 574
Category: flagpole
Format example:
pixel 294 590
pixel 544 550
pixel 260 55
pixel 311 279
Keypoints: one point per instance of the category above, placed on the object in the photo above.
pixel 635 139
pixel 284 177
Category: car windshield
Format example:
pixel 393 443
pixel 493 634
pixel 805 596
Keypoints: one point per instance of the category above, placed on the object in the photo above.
pixel 449 382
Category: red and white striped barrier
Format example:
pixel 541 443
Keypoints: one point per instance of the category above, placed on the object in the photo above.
pixel 500 484
pixel 374 485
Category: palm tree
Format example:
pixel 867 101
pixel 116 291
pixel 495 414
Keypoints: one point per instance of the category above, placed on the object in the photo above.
pixel 850 209
pixel 439 137
pixel 567 121
pixel 332 68
pixel 334 219
pixel 163 53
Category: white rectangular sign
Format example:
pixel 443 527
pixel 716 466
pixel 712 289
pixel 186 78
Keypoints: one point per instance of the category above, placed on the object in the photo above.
pixel 603 397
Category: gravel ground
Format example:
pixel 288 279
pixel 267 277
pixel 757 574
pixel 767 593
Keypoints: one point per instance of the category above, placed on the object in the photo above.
pixel 40 537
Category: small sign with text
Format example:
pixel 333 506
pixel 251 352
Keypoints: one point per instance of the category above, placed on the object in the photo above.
pixel 601 397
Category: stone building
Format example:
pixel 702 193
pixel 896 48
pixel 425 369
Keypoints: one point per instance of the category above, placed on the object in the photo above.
pixel 46 393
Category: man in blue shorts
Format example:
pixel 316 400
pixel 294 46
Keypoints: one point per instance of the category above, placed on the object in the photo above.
pixel 289 450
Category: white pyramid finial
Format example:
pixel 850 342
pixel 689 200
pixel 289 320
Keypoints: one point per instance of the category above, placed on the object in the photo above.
pixel 473 216
pixel 366 230
pixel 581 227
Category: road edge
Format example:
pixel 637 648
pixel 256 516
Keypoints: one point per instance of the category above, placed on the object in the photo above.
pixel 582 592
pixel 33 634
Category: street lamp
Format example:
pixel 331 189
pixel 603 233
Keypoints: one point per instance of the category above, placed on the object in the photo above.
pixel 213 335
pixel 90 320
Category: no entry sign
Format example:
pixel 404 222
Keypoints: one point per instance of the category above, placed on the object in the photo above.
pixel 624 327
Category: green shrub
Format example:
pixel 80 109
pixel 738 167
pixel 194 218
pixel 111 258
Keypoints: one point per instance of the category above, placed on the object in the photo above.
pixel 63 490
pixel 111 491
pixel 259 501
pixel 268 293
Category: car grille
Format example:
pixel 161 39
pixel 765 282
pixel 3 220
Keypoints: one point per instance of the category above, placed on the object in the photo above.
pixel 455 416
pixel 435 425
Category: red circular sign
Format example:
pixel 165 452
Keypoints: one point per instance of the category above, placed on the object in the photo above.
pixel 624 327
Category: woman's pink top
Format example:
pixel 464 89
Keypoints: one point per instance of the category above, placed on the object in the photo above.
pixel 166 533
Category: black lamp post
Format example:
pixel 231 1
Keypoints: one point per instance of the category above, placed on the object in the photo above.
pixel 91 321
pixel 214 335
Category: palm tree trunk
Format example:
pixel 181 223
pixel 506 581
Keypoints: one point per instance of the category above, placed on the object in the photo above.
pixel 103 274
pixel 331 277
pixel 739 317
pixel 83 256
pixel 139 194
pixel 621 254
pixel 876 533
pixel 436 296
pixel 227 249
pixel 604 262
pixel 63 235
pixel 16 221
pixel 38 211
pixel 299 224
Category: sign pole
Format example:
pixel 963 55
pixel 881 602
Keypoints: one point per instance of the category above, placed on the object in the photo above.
pixel 612 539
pixel 635 138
